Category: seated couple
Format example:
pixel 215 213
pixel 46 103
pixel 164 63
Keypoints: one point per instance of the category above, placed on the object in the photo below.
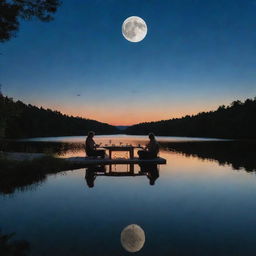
pixel 149 152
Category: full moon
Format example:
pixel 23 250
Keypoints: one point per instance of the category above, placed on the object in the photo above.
pixel 132 238
pixel 134 29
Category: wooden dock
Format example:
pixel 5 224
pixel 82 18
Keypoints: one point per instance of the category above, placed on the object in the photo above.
pixel 80 162
pixel 105 161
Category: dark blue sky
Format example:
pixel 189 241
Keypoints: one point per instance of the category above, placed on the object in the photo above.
pixel 196 56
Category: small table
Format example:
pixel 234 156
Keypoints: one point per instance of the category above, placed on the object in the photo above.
pixel 130 149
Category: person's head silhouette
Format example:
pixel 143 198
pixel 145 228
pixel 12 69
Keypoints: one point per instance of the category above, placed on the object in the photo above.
pixel 91 134
pixel 151 136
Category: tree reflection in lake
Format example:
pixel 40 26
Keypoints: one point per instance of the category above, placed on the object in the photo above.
pixel 239 154
pixel 22 174
pixel 201 208
pixel 20 180
pixel 13 248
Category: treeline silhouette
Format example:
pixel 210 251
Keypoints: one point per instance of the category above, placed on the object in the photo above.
pixel 238 120
pixel 19 120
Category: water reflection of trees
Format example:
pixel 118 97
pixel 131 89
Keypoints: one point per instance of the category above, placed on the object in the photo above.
pixel 27 177
pixel 22 174
pixel 10 247
pixel 20 180
pixel 239 154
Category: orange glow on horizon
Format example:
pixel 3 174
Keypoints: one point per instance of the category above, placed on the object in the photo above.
pixel 126 114
pixel 125 117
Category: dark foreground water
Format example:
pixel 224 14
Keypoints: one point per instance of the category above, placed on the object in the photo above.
pixel 202 202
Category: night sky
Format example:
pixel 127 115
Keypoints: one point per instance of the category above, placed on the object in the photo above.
pixel 196 56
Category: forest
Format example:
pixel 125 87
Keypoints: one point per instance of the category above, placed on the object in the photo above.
pixel 237 121
pixel 19 120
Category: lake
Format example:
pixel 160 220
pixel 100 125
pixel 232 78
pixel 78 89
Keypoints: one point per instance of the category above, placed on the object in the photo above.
pixel 202 202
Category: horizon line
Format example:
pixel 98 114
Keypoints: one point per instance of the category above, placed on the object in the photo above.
pixel 125 125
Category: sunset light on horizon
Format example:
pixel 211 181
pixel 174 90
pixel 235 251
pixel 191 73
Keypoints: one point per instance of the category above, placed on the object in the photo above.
pixel 194 58
pixel 126 115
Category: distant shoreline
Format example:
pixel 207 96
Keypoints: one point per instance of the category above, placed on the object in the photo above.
pixel 83 137
pixel 19 120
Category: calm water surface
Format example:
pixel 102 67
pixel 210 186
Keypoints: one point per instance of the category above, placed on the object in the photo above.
pixel 202 203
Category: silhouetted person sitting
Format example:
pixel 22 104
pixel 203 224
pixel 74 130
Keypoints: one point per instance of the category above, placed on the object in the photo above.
pixel 152 149
pixel 90 147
